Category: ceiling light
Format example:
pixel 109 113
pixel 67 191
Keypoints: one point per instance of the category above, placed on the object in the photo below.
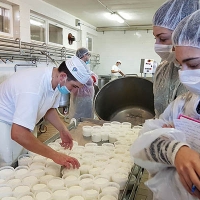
pixel 36 23
pixel 115 17
pixel 125 15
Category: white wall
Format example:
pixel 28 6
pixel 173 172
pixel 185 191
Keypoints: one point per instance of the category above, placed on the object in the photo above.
pixel 129 47
pixel 21 28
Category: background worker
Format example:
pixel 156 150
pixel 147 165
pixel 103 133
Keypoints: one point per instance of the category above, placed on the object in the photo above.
pixel 116 71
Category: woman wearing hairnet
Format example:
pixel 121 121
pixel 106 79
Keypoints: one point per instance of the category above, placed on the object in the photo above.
pixel 81 101
pixel 166 82
pixel 171 155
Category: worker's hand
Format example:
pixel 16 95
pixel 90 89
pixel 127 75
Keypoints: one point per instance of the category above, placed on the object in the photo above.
pixel 167 126
pixel 187 162
pixel 67 141
pixel 67 161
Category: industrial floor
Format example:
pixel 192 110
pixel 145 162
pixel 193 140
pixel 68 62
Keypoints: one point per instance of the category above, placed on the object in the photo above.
pixel 143 193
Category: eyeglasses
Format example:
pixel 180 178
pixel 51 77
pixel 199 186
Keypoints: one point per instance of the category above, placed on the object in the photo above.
pixel 88 54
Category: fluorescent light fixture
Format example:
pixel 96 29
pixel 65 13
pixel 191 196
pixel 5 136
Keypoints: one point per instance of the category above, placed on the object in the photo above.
pixel 36 23
pixel 115 17
pixel 125 15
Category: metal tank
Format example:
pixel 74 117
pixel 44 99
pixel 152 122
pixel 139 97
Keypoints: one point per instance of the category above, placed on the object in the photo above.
pixel 126 99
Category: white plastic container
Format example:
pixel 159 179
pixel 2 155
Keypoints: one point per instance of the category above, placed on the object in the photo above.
pixel 121 179
pixel 101 181
pixel 38 187
pixel 30 180
pixel 86 179
pixel 2 181
pixel 5 191
pixel 9 198
pixel 77 197
pixel 71 180
pixel 53 169
pixel 61 194
pixel 91 192
pixel 44 195
pixel 38 172
pixel 85 167
pixel 95 171
pixel 116 124
pixel 36 165
pixel 126 125
pixel 75 190
pixel 39 158
pixel 28 196
pixel 21 172
pixel 46 178
pixel 24 159
pixel 56 183
pixel 111 188
pixel 7 172
pixel 96 137
pixel 87 130
pixel 90 144
pixel 21 190
pixel 13 182
pixel 112 137
pixel 104 196
pixel 66 172
pixel 105 135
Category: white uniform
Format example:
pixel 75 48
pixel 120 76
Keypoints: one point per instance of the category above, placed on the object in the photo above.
pixel 156 148
pixel 115 75
pixel 25 98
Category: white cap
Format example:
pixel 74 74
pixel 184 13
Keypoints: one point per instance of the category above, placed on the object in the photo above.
pixel 78 69
pixel 119 61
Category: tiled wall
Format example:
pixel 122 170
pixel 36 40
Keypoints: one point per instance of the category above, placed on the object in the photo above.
pixel 129 47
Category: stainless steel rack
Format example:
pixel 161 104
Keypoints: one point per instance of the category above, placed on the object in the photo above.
pixel 15 50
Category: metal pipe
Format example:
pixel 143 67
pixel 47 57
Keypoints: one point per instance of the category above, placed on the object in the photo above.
pixel 17 65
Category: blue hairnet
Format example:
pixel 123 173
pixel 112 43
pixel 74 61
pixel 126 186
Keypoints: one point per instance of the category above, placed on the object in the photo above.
pixel 81 52
pixel 173 11
pixel 187 33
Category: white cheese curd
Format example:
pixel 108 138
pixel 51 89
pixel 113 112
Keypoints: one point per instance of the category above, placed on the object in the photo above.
pixel 95 171
pixel 100 181
pixel 21 171
pixel 6 172
pixel 75 190
pixel 13 182
pixel 38 172
pixel 43 195
pixel 71 180
pixel 107 197
pixel 56 183
pixel 96 137
pixel 27 197
pixel 76 198
pixel 5 191
pixel 38 187
pixel 61 194
pixel 24 159
pixel 20 190
pixel 53 169
pixel 46 178
pixel 9 198
pixel 30 180
pixel 87 131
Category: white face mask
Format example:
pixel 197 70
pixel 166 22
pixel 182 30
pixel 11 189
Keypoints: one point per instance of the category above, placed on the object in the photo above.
pixel 191 80
pixel 163 51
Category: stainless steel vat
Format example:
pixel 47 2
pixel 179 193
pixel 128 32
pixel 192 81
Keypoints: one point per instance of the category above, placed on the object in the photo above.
pixel 126 99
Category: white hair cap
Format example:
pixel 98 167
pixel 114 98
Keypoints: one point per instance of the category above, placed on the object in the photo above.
pixel 78 69
pixel 187 33
pixel 173 11
pixel 119 61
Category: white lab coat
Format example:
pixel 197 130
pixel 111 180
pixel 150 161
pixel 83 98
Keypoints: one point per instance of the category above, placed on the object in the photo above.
pixel 25 98
pixel 165 182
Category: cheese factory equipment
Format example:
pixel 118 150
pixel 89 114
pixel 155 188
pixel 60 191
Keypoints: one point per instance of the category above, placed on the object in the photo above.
pixel 126 99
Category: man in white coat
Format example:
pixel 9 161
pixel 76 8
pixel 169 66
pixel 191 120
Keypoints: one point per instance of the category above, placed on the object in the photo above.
pixel 116 71
pixel 29 95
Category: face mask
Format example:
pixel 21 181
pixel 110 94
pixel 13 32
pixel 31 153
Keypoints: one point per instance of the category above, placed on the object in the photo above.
pixel 190 79
pixel 163 51
pixel 87 62
pixel 63 89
